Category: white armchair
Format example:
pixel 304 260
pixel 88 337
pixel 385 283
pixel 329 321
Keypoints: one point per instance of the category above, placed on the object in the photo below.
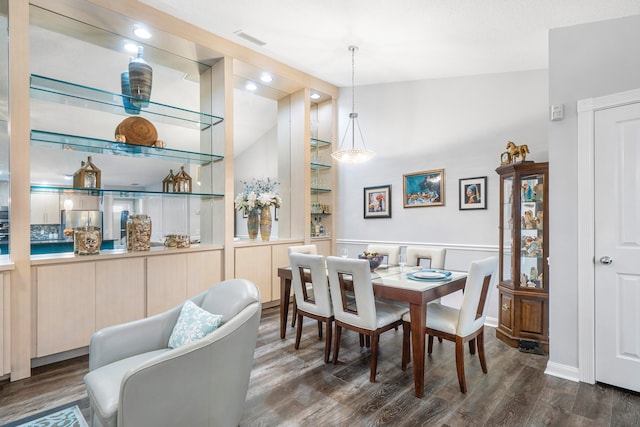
pixel 136 380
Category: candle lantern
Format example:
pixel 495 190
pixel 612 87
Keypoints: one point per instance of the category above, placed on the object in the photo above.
pixel 88 176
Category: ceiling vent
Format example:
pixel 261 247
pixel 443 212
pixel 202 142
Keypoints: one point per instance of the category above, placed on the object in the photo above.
pixel 249 38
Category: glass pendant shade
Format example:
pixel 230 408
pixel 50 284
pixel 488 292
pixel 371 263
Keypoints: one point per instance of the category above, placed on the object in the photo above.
pixel 353 154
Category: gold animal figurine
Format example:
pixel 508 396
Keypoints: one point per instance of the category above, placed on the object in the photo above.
pixel 513 152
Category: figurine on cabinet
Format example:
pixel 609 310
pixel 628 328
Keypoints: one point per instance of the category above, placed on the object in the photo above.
pixel 540 220
pixel 513 152
pixel 538 191
pixel 531 245
pixel 529 222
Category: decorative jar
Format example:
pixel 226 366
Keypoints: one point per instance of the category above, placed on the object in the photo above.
pixel 138 233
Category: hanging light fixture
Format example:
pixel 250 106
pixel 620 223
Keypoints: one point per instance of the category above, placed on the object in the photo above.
pixel 353 154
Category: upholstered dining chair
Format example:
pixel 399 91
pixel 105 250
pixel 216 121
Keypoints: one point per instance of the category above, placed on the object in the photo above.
pixel 362 314
pixel 436 256
pixel 462 325
pixel 391 252
pixel 175 368
pixel 300 249
pixel 317 304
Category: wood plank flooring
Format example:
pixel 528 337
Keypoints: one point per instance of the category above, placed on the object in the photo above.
pixel 295 388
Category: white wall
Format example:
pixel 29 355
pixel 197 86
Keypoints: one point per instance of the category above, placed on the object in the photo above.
pixel 585 61
pixel 460 125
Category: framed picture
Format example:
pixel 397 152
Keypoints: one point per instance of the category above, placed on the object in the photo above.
pixel 377 202
pixel 473 193
pixel 424 189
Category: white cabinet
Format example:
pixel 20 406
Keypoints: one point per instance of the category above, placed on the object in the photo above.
pixel 79 202
pixel 45 208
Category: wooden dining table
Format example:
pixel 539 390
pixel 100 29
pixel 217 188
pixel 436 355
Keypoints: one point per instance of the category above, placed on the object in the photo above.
pixel 393 284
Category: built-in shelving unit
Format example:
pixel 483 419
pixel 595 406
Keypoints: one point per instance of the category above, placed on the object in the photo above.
pixel 321 184
pixel 191 151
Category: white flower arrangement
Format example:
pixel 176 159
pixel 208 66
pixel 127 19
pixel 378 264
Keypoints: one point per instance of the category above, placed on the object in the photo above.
pixel 258 194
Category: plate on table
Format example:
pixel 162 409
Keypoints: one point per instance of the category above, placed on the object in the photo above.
pixel 429 275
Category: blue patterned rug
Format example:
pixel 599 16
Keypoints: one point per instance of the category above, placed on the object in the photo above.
pixel 69 416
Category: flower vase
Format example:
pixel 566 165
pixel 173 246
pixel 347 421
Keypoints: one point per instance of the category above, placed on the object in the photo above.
pixel 252 224
pixel 265 223
pixel 140 79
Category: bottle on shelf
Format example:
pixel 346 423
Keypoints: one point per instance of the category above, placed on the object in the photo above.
pixel 321 226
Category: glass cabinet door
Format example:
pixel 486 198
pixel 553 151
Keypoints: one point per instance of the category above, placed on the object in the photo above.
pixel 507 228
pixel 531 231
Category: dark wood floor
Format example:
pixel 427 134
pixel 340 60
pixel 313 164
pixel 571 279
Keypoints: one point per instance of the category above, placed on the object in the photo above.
pixel 291 388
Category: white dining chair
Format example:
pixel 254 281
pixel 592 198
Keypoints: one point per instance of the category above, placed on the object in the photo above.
pixel 300 249
pixel 317 304
pixel 362 314
pixel 435 256
pixel 391 252
pixel 462 325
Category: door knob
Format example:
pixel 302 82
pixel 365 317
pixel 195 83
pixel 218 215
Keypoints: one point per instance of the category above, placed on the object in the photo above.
pixel 606 260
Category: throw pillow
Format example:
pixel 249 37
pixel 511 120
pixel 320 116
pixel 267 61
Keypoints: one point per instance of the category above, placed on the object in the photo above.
pixel 193 324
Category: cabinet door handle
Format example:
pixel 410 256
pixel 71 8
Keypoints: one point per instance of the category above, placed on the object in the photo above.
pixel 505 307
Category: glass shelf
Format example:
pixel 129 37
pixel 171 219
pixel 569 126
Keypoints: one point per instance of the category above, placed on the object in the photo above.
pixel 92 145
pixel 320 190
pixel 72 94
pixel 318 143
pixel 319 166
pixel 119 192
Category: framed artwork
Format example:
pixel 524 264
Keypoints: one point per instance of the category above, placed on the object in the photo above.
pixel 424 188
pixel 377 202
pixel 473 193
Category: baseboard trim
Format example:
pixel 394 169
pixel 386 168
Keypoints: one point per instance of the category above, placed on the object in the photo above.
pixel 491 321
pixel 566 372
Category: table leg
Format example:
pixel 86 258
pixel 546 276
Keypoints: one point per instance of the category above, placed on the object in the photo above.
pixel 285 291
pixel 418 320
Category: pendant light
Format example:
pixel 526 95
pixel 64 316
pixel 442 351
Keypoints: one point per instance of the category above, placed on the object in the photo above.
pixel 353 154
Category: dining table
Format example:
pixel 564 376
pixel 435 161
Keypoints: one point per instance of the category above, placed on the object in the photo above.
pixel 396 284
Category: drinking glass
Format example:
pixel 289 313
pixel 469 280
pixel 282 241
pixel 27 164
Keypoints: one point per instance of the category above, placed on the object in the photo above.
pixel 344 252
pixel 402 261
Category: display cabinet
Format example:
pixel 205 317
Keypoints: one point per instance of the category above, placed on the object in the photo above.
pixel 524 280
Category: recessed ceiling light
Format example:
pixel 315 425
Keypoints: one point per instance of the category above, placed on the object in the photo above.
pixel 141 32
pixel 266 77
pixel 315 96
pixel 251 86
pixel 131 47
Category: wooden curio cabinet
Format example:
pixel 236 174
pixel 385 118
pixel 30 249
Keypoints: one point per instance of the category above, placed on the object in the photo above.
pixel 523 318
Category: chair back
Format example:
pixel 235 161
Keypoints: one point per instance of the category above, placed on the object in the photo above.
pixel 436 256
pixel 310 269
pixel 391 252
pixel 480 281
pixel 342 272
pixel 303 249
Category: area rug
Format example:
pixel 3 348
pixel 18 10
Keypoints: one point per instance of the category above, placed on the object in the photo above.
pixel 67 416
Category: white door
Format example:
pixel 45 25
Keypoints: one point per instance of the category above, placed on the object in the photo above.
pixel 617 236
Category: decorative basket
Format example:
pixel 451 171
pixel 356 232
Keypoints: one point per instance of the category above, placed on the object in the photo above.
pixel 137 130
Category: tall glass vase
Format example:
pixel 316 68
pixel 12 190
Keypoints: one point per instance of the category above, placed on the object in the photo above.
pixel 252 224
pixel 140 80
pixel 265 223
